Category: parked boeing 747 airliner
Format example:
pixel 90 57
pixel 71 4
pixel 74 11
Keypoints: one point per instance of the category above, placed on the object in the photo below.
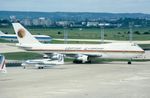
pixel 81 52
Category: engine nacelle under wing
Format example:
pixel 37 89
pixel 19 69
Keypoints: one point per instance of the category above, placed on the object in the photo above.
pixel 82 58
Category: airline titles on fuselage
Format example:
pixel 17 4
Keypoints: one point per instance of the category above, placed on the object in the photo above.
pixel 80 48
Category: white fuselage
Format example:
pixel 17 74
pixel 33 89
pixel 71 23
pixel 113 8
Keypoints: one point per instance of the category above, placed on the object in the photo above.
pixel 13 37
pixel 81 52
pixel 109 50
pixel 41 63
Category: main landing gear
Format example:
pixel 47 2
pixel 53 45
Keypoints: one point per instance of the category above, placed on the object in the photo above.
pixel 40 67
pixel 129 62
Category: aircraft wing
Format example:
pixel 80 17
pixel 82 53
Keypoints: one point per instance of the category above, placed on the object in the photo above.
pixel 89 55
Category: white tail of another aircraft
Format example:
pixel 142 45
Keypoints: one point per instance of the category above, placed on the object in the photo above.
pixel 2 64
pixel 23 35
pixel 1 33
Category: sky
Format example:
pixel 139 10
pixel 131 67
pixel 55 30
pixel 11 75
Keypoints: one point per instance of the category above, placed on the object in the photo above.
pixel 112 6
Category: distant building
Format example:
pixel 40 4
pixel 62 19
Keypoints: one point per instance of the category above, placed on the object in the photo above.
pixel 84 23
pixel 92 24
pixel 26 22
pixel 13 19
pixel 104 24
pixel 137 26
pixel 113 19
pixel 62 23
pixel 48 22
pixel 42 21
pixel 35 22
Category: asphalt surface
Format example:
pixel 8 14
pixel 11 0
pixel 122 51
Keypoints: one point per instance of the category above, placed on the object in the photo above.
pixel 105 80
pixel 9 47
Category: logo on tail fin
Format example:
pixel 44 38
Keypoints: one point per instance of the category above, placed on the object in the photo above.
pixel 21 33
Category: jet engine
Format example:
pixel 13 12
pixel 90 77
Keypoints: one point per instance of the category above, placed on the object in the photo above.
pixel 81 58
pixel 57 56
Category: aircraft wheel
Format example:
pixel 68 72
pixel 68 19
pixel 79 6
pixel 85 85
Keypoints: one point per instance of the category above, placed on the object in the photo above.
pixel 77 62
pixel 42 67
pixel 74 61
pixel 39 67
pixel 129 62
pixel 89 61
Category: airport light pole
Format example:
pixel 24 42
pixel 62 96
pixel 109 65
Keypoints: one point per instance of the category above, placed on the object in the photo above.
pixel 131 31
pixel 65 35
pixel 102 33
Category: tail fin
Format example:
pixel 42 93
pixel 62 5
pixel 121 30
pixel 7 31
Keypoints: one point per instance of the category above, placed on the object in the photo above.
pixel 59 58
pixel 23 35
pixel 1 33
pixel 2 65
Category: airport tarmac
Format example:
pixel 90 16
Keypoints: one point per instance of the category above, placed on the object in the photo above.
pixel 9 47
pixel 106 80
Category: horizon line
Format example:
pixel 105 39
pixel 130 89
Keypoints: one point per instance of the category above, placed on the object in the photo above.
pixel 76 12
